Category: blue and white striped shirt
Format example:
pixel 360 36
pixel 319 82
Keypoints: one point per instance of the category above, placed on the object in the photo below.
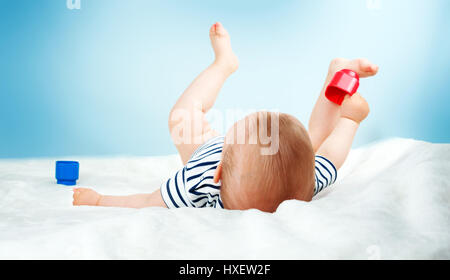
pixel 193 186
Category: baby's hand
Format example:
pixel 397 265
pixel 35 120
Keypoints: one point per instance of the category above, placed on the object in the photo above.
pixel 82 196
pixel 355 108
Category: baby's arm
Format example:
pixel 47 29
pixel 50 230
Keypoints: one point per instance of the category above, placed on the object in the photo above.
pixel 89 197
pixel 187 122
pixel 338 144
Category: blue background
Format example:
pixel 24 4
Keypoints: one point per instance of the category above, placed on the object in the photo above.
pixel 101 80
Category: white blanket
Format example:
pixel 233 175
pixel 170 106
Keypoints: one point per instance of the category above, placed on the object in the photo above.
pixel 391 201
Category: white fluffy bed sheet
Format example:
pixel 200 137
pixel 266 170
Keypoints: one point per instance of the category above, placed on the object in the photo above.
pixel 391 202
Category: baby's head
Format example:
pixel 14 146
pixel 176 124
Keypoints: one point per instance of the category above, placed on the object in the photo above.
pixel 267 159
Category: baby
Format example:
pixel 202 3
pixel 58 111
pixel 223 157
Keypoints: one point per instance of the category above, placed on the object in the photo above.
pixel 263 160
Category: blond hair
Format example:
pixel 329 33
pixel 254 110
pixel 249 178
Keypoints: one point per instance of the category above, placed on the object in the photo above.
pixel 254 180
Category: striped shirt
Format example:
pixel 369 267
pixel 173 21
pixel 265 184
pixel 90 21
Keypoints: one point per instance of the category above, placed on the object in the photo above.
pixel 193 185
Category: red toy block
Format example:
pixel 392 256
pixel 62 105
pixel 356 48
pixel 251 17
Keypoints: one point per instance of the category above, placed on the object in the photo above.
pixel 344 82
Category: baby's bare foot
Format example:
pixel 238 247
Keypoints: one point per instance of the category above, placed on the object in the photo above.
pixel 362 66
pixel 82 196
pixel 221 43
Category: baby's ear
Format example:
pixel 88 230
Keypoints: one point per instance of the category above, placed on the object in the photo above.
pixel 218 174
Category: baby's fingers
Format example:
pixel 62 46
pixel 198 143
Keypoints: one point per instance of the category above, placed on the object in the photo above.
pixel 75 197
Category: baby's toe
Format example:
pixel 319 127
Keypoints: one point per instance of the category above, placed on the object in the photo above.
pixel 212 30
pixel 362 66
pixel 218 30
pixel 366 67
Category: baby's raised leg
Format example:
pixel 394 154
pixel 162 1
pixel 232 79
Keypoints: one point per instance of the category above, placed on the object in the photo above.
pixel 326 114
pixel 187 123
